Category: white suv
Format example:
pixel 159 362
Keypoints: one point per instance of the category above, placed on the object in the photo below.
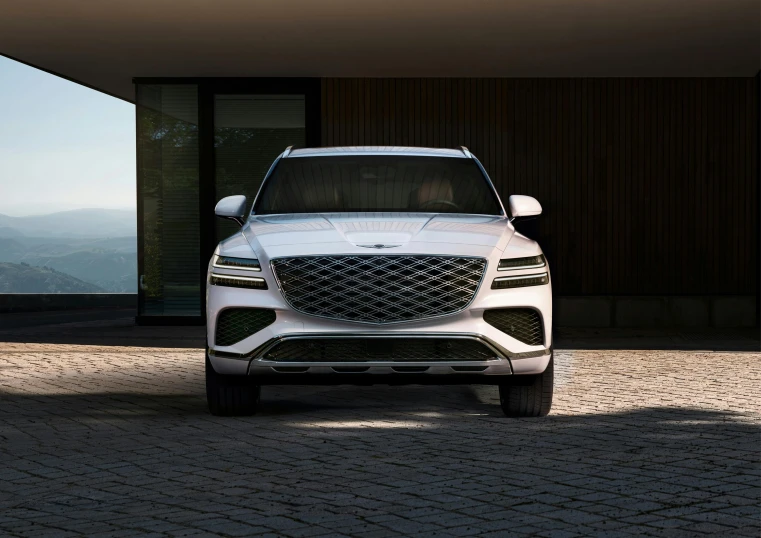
pixel 378 265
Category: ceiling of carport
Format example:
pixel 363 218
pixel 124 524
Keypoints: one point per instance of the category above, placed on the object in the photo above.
pixel 105 43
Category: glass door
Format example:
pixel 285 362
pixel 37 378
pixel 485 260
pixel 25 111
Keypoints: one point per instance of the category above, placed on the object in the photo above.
pixel 169 252
pixel 250 131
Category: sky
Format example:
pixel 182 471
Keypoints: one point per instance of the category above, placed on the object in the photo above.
pixel 62 146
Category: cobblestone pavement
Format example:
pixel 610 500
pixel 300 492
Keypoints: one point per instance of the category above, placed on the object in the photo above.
pixel 116 441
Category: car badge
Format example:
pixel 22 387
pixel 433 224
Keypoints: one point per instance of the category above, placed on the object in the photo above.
pixel 379 245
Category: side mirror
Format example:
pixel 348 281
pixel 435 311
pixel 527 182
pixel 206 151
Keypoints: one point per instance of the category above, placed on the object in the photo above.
pixel 522 207
pixel 233 208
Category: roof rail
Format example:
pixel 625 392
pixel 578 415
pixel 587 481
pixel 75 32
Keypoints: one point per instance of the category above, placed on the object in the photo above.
pixel 287 151
pixel 466 152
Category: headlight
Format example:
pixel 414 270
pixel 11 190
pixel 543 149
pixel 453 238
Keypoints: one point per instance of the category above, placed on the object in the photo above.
pixel 513 264
pixel 522 281
pixel 244 264
pixel 231 281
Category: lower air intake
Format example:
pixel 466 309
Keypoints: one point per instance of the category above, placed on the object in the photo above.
pixel 235 324
pixel 359 349
pixel 524 324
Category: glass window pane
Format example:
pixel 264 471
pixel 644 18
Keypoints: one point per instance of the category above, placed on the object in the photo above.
pixel 168 175
pixel 250 131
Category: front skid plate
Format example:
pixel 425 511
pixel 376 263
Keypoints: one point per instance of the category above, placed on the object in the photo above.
pixel 389 379
pixel 438 371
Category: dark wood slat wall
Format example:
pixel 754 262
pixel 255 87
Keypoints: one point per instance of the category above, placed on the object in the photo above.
pixel 650 186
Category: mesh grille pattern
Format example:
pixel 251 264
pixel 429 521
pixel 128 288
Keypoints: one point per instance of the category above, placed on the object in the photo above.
pixel 235 324
pixel 379 289
pixel 379 349
pixel 524 324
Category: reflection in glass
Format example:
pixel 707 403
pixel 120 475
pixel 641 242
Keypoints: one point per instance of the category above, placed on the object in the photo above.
pixel 168 175
pixel 250 131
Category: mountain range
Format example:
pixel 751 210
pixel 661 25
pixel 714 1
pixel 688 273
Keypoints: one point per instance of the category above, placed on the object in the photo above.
pixel 76 223
pixel 81 251
pixel 23 278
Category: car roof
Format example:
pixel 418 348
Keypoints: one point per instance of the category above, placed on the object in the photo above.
pixel 378 150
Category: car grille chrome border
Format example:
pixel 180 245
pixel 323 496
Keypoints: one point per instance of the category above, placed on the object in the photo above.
pixel 477 287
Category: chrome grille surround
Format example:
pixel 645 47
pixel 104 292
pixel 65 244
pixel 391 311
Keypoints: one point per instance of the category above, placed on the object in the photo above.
pixel 379 288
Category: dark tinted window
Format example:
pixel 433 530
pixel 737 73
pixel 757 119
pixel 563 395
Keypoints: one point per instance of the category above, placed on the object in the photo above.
pixel 377 183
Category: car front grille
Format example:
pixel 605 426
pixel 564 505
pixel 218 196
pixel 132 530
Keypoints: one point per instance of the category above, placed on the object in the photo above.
pixel 379 289
pixel 386 349
pixel 524 324
pixel 235 324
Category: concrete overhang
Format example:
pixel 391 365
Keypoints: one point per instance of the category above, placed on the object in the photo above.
pixel 105 43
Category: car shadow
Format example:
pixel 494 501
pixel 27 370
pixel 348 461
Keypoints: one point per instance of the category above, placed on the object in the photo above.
pixel 123 332
pixel 440 441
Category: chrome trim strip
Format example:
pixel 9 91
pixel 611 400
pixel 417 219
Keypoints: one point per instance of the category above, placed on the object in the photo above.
pixel 530 354
pixel 256 354
pixel 518 277
pixel 390 364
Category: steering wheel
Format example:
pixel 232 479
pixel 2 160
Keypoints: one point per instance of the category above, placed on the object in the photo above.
pixel 442 202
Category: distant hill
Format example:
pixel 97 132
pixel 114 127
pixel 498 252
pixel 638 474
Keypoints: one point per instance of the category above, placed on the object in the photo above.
pixel 96 247
pixel 108 269
pixel 23 278
pixel 11 250
pixel 77 223
pixel 6 231
pixel 110 263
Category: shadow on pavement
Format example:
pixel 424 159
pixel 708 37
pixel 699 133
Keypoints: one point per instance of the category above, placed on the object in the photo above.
pixel 118 331
pixel 113 330
pixel 704 338
pixel 442 447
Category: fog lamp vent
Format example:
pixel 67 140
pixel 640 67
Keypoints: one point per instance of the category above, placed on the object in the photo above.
pixel 523 324
pixel 236 324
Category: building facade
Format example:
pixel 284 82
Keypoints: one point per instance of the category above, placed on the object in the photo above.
pixel 636 125
pixel 650 186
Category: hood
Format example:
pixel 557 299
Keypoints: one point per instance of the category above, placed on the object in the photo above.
pixel 372 233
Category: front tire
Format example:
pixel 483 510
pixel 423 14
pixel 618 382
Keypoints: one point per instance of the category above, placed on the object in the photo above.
pixel 230 395
pixel 528 395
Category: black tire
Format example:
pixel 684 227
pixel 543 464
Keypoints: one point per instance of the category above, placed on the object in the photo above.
pixel 528 395
pixel 230 395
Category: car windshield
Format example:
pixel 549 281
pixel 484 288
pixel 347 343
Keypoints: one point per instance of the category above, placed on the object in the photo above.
pixel 369 183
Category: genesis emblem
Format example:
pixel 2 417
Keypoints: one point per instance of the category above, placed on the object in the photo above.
pixel 379 246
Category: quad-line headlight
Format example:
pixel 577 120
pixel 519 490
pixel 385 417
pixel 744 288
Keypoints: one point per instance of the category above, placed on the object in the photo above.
pixel 520 281
pixel 514 264
pixel 233 281
pixel 243 264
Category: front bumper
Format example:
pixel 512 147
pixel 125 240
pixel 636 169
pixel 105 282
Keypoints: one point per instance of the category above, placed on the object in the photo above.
pixel 485 372
pixel 512 357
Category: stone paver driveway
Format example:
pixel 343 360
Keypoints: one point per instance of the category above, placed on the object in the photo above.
pixel 116 441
